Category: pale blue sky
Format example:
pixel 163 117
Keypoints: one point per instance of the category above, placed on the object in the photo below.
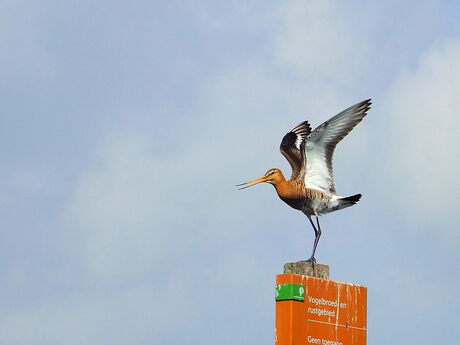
pixel 126 125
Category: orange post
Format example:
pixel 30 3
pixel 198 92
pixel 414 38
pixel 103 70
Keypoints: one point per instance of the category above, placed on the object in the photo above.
pixel 319 311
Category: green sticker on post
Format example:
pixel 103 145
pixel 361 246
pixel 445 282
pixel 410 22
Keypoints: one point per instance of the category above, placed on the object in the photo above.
pixel 294 292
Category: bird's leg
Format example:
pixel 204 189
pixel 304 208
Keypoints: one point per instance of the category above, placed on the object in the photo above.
pixel 317 236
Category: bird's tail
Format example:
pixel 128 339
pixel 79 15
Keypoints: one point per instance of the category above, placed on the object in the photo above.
pixel 348 201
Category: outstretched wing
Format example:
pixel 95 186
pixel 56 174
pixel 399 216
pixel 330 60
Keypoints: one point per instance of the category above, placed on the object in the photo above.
pixel 293 148
pixel 320 145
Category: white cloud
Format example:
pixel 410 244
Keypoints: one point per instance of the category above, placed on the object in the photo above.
pixel 117 316
pixel 134 211
pixel 422 112
pixel 316 40
pixel 123 208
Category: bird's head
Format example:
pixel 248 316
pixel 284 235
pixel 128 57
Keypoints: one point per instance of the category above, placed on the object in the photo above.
pixel 272 176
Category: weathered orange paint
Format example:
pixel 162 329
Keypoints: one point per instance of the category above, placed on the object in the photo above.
pixel 344 309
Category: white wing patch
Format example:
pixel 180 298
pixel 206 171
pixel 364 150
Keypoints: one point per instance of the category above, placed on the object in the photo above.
pixel 320 145
pixel 298 141
pixel 318 175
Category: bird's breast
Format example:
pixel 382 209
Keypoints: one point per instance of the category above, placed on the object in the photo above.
pixel 295 194
pixel 292 193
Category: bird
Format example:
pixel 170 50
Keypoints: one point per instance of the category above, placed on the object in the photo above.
pixel 311 188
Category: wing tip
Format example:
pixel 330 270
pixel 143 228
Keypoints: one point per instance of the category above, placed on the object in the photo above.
pixel 362 107
pixel 367 103
pixel 302 128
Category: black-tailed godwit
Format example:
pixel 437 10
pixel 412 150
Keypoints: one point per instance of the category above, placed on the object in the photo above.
pixel 311 188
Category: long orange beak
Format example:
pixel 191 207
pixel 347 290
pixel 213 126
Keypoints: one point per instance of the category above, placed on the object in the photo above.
pixel 252 183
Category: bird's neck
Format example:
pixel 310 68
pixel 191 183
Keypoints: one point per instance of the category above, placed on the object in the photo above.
pixel 279 180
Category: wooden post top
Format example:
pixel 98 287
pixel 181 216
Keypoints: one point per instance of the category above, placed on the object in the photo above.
pixel 306 268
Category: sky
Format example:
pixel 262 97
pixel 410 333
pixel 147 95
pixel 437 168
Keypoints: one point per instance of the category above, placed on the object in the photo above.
pixel 125 126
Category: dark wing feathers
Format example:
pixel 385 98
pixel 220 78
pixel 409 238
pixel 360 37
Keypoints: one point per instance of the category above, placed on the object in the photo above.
pixel 293 148
pixel 302 144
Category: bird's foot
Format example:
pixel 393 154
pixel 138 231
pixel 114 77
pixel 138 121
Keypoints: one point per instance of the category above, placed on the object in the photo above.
pixel 311 260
